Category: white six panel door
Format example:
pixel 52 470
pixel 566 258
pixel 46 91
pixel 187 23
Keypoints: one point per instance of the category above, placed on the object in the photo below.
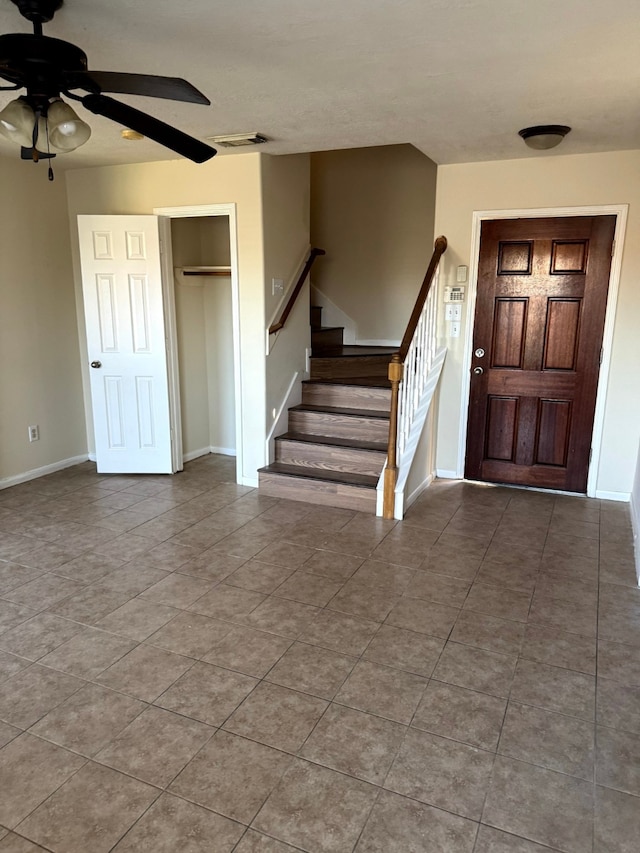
pixel 124 314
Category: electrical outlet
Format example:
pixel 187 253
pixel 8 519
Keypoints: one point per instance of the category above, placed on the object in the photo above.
pixel 34 433
pixel 277 286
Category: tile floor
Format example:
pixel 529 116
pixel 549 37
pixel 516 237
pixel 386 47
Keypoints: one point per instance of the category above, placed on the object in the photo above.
pixel 188 666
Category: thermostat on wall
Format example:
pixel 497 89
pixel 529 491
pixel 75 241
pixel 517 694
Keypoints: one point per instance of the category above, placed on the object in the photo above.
pixel 454 294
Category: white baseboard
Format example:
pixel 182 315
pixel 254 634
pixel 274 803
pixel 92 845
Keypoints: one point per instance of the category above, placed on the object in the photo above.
pixel 332 315
pixel 195 454
pixel 292 397
pixel 635 524
pixel 614 496
pixel 34 473
pixel 93 457
pixel 205 451
pixel 252 482
pixel 377 342
pixel 445 474
pixel 415 494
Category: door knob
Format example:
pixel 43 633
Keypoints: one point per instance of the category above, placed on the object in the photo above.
pixel 96 364
pixel 478 371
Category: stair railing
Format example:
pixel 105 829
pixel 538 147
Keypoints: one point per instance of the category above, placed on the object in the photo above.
pixel 279 324
pixel 408 372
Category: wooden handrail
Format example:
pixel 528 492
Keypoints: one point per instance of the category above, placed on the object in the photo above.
pixel 439 248
pixel 279 324
pixel 396 373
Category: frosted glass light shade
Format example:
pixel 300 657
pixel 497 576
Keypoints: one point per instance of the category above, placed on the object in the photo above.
pixel 544 136
pixel 17 120
pixel 66 131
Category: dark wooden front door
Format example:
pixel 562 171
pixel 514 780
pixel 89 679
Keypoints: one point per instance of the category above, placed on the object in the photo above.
pixel 542 294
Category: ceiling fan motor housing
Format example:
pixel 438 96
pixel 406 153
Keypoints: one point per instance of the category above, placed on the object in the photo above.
pixel 38 11
pixel 36 62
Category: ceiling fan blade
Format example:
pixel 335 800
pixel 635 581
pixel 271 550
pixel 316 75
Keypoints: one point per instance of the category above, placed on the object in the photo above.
pixel 11 77
pixel 150 85
pixel 149 126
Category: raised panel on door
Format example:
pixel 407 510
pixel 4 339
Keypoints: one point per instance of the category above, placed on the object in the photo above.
pixel 561 334
pixel 124 313
pixel 553 432
pixel 509 325
pixel 542 292
pixel 501 430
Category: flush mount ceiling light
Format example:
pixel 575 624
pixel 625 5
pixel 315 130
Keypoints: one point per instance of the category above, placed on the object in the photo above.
pixel 237 140
pixel 41 120
pixel 544 136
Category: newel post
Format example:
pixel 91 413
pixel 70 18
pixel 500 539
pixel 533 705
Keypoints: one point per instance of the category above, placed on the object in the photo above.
pixel 396 369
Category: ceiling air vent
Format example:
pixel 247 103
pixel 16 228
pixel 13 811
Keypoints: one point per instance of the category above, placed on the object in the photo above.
pixel 236 140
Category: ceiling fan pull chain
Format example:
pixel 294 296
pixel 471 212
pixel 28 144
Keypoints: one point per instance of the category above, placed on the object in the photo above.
pixel 50 174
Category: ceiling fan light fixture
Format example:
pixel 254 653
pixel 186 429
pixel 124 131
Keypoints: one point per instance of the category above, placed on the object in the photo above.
pixel 16 122
pixel 542 137
pixel 66 130
pixel 46 67
pixel 238 140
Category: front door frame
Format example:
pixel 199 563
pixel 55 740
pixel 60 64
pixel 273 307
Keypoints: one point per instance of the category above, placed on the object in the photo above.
pixel 166 214
pixel 620 211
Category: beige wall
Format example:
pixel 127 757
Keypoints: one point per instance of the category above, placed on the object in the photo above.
pixel 192 340
pixel 372 209
pixel 205 335
pixel 220 379
pixel 551 181
pixel 141 188
pixel 635 515
pixel 285 200
pixel 39 361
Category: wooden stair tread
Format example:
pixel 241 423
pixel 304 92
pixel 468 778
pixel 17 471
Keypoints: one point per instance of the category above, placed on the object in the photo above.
pixel 360 381
pixel 352 351
pixel 310 438
pixel 341 410
pixel 364 481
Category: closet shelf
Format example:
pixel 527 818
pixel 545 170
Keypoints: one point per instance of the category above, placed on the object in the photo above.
pixel 203 270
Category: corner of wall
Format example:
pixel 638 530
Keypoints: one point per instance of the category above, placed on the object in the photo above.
pixel 635 516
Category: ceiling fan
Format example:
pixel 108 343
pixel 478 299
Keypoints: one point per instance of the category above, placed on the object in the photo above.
pixel 48 67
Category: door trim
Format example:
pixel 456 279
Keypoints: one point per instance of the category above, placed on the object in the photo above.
pixel 166 214
pixel 620 211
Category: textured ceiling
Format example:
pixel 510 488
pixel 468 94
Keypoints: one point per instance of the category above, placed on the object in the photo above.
pixel 456 78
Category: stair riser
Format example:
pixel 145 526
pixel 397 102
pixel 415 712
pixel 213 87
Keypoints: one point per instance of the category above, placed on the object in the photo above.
pixel 326 337
pixel 343 368
pixel 315 316
pixel 351 460
pixel 317 492
pixel 339 426
pixel 349 396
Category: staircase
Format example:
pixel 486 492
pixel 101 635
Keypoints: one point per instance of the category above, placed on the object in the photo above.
pixel 336 443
